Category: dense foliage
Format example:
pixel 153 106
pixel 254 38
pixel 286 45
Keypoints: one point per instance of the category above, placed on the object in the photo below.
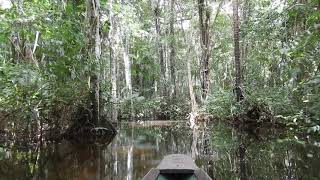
pixel 46 66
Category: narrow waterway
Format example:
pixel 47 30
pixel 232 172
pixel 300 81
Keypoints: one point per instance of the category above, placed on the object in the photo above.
pixel 140 146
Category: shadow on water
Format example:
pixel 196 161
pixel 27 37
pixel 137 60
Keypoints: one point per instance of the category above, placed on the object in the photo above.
pixel 139 147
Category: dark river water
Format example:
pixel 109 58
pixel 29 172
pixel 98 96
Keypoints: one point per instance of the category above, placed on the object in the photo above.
pixel 139 147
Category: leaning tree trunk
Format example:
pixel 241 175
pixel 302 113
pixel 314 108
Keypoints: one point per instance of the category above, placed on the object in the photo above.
pixel 93 16
pixel 188 57
pixel 236 37
pixel 204 21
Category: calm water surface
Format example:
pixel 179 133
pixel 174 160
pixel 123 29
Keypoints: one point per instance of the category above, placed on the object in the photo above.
pixel 137 148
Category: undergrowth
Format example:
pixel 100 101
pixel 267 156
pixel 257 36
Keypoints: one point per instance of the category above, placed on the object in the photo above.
pixel 297 108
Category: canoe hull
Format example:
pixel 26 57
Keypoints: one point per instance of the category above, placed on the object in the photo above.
pixel 176 167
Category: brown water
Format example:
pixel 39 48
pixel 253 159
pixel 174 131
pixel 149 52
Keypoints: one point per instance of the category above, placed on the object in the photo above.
pixel 137 148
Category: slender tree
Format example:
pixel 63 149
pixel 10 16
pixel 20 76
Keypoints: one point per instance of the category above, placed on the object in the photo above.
pixel 126 58
pixel 237 89
pixel 172 49
pixel 194 106
pixel 236 38
pixel 127 64
pixel 93 17
pixel 127 69
pixel 113 63
pixel 246 10
pixel 160 48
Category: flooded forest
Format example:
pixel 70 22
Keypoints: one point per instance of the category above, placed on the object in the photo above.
pixel 105 89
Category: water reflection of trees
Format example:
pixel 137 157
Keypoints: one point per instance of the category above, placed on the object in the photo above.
pixel 135 150
pixel 228 157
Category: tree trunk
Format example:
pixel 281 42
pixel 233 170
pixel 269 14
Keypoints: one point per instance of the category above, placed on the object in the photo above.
pixel 204 21
pixel 244 46
pixel 188 44
pixel 127 64
pixel 127 69
pixel 237 89
pixel 194 106
pixel 172 50
pixel 113 64
pixel 93 16
pixel 160 47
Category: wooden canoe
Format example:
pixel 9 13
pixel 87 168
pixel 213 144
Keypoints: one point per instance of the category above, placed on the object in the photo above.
pixel 176 167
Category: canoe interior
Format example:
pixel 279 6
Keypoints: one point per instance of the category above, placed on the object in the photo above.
pixel 176 177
